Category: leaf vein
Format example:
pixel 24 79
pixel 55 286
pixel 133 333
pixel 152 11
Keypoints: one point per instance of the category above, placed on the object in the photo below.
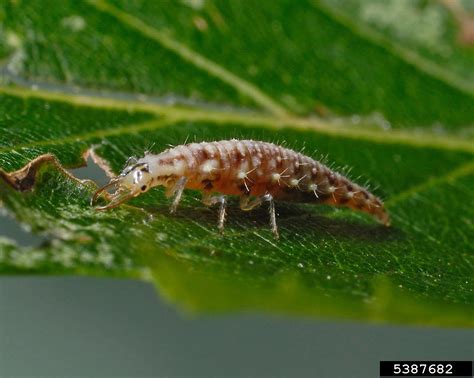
pixel 180 113
pixel 192 57
pixel 411 57
pixel 131 128
pixel 463 170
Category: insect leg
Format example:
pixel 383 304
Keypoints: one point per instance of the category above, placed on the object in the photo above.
pixel 271 210
pixel 210 200
pixel 246 204
pixel 177 191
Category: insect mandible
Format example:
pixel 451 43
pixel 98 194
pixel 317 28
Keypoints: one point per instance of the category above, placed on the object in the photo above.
pixel 256 171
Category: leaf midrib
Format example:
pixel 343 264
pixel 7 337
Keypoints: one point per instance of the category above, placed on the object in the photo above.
pixel 180 113
pixel 279 116
pixel 88 136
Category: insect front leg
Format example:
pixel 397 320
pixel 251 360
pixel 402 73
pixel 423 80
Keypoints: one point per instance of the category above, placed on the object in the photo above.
pixel 177 191
pixel 247 204
pixel 210 200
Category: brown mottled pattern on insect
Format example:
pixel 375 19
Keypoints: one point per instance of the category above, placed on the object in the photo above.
pixel 255 171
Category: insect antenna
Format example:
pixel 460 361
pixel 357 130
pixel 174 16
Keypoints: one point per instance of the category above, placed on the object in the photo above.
pixel 149 148
pixel 132 160
pixel 113 146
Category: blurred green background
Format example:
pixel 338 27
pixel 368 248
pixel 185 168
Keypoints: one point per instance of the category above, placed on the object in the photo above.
pixel 69 327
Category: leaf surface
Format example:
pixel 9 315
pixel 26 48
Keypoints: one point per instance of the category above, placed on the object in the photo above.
pixel 329 262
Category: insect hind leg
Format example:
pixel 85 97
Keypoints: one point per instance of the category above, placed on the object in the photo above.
pixel 247 204
pixel 210 200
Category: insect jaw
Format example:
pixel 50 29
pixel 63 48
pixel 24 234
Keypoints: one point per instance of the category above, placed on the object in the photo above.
pixel 130 183
pixel 120 195
pixel 96 194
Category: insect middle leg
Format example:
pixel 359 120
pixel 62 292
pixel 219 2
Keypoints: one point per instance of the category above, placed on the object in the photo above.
pixel 247 204
pixel 210 200
pixel 176 191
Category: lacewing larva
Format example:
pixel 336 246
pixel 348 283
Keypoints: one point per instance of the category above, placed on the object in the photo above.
pixel 256 171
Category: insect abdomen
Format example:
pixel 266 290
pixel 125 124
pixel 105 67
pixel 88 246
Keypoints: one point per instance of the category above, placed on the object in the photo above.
pixel 246 167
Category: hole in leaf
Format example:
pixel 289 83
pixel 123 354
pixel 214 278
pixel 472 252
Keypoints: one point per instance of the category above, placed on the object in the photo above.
pixel 14 230
pixel 92 171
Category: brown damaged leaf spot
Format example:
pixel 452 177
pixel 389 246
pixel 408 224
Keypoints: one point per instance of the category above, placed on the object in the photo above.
pixel 465 20
pixel 24 179
pixel 466 35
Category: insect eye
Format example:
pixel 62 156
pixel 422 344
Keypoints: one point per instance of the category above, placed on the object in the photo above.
pixel 143 188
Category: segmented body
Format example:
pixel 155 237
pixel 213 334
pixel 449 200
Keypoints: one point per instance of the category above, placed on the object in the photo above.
pixel 256 171
pixel 247 167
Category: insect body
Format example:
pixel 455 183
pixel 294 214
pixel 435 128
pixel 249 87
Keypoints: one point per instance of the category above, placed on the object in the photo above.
pixel 256 171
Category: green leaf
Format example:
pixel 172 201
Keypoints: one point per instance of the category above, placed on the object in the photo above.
pixel 421 27
pixel 212 58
